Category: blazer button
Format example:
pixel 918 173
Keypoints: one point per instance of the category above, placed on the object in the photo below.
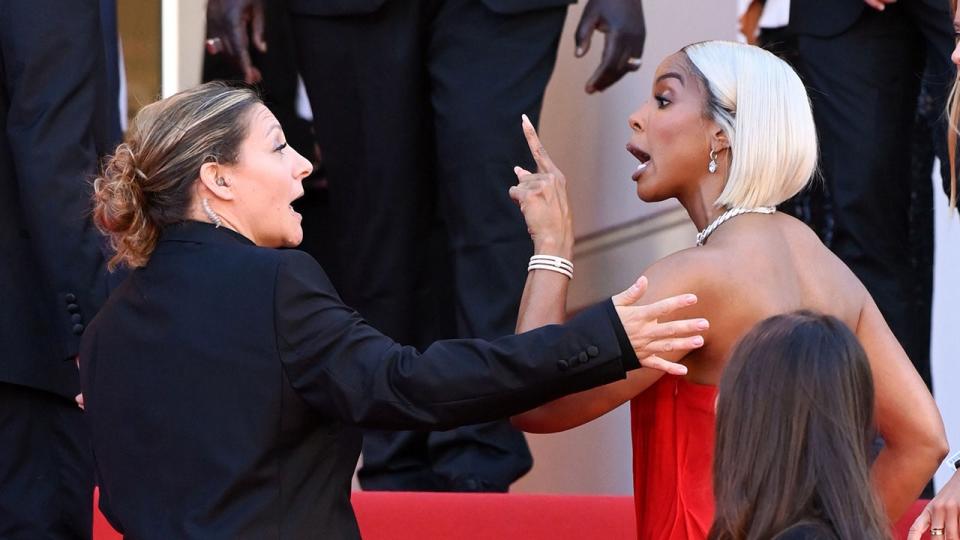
pixel 70 298
pixel 76 318
pixel 77 329
pixel 583 358
pixel 563 365
pixel 73 308
pixel 593 351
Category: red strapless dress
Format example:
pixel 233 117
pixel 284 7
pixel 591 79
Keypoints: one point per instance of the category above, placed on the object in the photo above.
pixel 672 424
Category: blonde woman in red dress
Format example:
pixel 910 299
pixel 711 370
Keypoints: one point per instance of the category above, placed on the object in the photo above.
pixel 728 132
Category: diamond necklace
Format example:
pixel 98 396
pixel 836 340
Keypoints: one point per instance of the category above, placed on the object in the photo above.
pixel 733 212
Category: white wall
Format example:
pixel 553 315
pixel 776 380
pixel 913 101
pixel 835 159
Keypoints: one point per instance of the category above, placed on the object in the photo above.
pixel 182 40
pixel 946 321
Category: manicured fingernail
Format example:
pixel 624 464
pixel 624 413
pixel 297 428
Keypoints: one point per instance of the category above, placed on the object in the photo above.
pixel 525 118
pixel 579 51
pixel 697 341
pixel 703 324
pixel 682 370
pixel 689 299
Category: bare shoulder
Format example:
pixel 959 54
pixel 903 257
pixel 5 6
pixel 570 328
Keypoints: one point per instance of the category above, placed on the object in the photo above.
pixel 825 266
pixel 703 271
pixel 692 270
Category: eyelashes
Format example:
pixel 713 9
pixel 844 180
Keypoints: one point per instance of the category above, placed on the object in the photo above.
pixel 280 147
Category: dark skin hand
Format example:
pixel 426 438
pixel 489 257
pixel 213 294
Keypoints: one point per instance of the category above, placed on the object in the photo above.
pixel 622 22
pixel 235 23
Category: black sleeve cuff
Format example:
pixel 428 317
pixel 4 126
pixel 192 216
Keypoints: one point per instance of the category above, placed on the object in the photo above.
pixel 627 355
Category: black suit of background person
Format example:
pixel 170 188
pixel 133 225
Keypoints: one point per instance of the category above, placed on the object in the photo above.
pixel 416 109
pixel 225 383
pixel 864 69
pixel 57 113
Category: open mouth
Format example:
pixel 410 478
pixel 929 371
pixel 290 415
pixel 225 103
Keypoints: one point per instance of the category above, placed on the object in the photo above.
pixel 642 157
pixel 294 199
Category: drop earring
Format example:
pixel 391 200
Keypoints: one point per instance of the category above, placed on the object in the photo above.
pixel 712 166
pixel 211 215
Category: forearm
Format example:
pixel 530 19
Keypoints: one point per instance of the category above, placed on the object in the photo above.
pixel 906 415
pixel 346 368
pixel 458 382
pixel 900 473
pixel 544 299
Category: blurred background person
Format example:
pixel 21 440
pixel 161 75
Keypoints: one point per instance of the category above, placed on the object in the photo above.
pixel 58 112
pixel 810 442
pixel 415 109
pixel 878 73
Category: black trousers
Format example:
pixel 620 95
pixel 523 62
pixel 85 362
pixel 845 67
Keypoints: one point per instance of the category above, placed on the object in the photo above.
pixel 46 467
pixel 417 111
pixel 864 85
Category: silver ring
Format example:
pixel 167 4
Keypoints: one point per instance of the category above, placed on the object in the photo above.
pixel 214 45
pixel 936 531
pixel 635 63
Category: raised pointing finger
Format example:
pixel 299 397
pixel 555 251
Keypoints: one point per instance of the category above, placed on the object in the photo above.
pixel 544 163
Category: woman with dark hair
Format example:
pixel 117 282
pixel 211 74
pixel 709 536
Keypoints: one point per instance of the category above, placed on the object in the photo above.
pixel 795 428
pixel 224 379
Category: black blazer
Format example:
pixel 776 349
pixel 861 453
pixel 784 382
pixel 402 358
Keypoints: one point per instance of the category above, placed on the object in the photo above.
pixel 826 18
pixel 225 385
pixel 364 7
pixel 52 277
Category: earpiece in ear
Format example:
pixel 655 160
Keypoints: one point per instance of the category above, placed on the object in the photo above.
pixel 221 181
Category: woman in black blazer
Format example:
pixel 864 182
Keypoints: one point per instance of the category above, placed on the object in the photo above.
pixel 225 381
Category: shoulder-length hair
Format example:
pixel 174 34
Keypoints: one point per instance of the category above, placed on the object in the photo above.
pixel 763 108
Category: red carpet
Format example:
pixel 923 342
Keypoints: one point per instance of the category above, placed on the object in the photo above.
pixel 440 516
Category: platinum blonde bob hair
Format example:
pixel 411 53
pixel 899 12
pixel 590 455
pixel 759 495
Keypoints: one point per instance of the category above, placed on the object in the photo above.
pixel 763 108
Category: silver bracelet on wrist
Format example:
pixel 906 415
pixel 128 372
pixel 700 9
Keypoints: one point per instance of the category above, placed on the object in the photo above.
pixel 551 263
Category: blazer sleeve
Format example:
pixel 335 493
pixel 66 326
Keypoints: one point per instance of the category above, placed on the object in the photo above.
pixel 342 366
pixel 53 75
